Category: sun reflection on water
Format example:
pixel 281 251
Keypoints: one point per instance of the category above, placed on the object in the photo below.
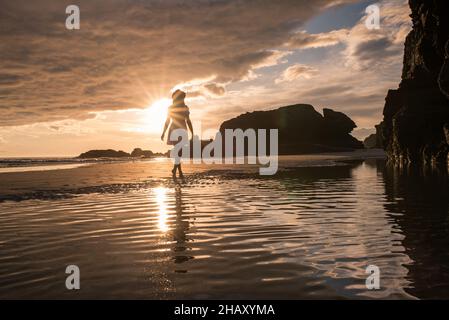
pixel 161 199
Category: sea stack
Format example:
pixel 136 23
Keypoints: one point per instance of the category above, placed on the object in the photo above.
pixel 416 115
pixel 301 129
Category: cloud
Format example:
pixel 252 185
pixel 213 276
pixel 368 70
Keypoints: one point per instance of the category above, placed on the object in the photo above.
pixel 327 90
pixel 242 66
pixel 364 48
pixel 377 49
pixel 362 133
pixel 380 49
pixel 304 40
pixel 215 89
pixel 206 90
pixel 130 53
pixel 296 71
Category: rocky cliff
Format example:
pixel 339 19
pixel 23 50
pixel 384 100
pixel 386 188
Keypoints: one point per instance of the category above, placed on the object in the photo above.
pixel 415 128
pixel 301 128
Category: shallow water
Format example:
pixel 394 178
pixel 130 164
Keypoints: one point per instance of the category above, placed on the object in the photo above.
pixel 305 233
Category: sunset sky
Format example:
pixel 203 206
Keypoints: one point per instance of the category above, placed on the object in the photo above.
pixel 107 85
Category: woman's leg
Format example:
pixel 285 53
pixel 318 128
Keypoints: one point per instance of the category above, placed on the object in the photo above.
pixel 176 165
pixel 180 171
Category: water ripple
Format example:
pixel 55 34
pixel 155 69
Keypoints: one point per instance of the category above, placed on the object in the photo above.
pixel 308 234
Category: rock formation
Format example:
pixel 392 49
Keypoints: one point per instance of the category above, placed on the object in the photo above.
pixel 139 153
pixel 371 141
pixel 92 154
pixel 416 116
pixel 136 153
pixel 301 128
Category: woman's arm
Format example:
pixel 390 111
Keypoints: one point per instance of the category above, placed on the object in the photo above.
pixel 167 122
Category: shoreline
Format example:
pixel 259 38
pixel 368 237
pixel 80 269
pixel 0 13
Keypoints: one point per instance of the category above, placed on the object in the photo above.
pixel 22 164
pixel 58 181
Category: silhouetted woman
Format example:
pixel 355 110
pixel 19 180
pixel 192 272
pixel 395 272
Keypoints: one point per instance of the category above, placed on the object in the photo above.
pixel 178 117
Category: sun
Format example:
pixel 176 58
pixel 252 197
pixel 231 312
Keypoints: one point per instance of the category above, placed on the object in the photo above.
pixel 156 114
pixel 161 104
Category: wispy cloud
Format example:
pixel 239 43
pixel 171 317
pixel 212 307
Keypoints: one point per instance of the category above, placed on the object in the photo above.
pixel 295 72
pixel 304 40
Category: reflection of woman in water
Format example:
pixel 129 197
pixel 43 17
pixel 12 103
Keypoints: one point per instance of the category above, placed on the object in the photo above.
pixel 181 247
pixel 178 115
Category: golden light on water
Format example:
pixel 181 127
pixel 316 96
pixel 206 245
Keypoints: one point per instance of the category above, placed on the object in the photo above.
pixel 161 199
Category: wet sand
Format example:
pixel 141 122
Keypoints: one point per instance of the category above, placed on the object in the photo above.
pixel 226 232
pixel 138 173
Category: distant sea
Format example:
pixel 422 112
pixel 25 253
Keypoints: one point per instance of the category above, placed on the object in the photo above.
pixel 49 163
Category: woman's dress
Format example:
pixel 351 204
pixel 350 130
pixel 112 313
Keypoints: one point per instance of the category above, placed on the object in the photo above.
pixel 178 113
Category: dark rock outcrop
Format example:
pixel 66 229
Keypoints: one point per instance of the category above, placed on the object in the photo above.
pixel 301 129
pixel 371 141
pixel 139 153
pixel 416 114
pixel 379 136
pixel 136 153
pixel 338 122
pixel 92 154
pixel 443 78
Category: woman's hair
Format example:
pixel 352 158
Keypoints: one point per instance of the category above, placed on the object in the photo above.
pixel 178 95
